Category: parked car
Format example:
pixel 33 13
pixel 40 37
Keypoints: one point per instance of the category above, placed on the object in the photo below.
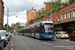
pixel 62 34
pixel 1 42
pixel 72 36
pixel 4 37
pixel 9 34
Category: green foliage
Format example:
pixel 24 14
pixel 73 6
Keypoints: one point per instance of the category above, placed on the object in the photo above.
pixel 65 4
pixel 47 13
pixel 5 26
pixel 36 18
pixel 57 6
pixel 11 28
pixel 42 15
pixel 30 21
pixel 71 1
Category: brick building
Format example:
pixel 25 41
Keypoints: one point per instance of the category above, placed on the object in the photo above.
pixel 1 14
pixel 31 14
pixel 64 19
pixel 48 6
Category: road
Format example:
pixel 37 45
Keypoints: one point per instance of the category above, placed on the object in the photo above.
pixel 28 43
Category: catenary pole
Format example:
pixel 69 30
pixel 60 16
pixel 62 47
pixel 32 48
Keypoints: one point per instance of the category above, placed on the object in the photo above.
pixel 7 18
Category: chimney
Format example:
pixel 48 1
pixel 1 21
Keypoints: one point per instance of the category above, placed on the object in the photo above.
pixel 32 8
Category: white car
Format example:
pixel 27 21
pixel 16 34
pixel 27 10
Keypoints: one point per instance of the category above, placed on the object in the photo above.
pixel 9 34
pixel 4 37
pixel 1 42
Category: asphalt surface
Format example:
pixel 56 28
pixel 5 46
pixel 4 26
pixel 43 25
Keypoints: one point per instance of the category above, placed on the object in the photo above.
pixel 28 43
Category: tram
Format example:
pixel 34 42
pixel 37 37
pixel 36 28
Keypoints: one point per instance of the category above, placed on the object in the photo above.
pixel 40 30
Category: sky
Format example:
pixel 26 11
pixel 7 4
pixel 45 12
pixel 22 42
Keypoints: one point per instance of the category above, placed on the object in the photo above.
pixel 19 8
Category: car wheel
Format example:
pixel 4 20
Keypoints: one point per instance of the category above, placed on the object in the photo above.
pixel 60 37
pixel 5 44
pixel 70 39
pixel 2 48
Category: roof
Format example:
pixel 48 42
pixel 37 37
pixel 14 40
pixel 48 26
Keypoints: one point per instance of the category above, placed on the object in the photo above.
pixel 49 2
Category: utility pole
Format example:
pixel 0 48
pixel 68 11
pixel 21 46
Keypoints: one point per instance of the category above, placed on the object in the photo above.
pixel 51 14
pixel 7 18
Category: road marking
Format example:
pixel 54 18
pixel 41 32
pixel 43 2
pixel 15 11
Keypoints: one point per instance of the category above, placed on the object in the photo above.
pixel 11 45
pixel 11 48
pixel 25 45
pixel 47 43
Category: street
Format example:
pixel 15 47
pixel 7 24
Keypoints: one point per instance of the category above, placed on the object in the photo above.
pixel 28 43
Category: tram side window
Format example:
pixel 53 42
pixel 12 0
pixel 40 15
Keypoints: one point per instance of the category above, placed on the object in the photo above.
pixel 32 30
pixel 25 31
pixel 28 30
pixel 38 30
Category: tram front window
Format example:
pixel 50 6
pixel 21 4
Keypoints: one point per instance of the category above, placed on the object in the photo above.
pixel 48 28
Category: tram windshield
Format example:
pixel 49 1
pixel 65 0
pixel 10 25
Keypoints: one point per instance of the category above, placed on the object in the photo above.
pixel 48 28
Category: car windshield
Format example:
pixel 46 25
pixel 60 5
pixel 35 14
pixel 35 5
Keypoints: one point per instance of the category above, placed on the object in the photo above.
pixel 73 32
pixel 2 34
pixel 64 33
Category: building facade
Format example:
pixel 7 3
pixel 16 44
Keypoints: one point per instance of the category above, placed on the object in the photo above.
pixel 48 6
pixel 64 19
pixel 1 14
pixel 31 14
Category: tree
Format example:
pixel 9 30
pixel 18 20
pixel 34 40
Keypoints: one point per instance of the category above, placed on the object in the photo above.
pixel 5 26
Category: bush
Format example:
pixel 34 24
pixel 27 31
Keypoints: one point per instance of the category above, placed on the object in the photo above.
pixel 36 18
pixel 71 1
pixel 42 15
pixel 47 13
pixel 66 4
pixel 30 21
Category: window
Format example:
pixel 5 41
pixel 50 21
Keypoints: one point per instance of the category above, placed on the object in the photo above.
pixel 74 13
pixel 62 16
pixel 0 3
pixel 54 19
pixel 65 15
pixel 38 29
pixel 29 15
pixel 69 14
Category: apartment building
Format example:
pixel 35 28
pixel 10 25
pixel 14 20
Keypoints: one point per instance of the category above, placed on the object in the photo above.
pixel 1 14
pixel 31 14
pixel 48 6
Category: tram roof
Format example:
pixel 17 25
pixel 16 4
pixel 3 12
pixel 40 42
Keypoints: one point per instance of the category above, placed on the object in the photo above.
pixel 37 24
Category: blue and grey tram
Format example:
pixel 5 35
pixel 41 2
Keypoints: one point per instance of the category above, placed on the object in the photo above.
pixel 40 30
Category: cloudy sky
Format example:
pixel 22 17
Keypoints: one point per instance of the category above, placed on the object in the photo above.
pixel 16 8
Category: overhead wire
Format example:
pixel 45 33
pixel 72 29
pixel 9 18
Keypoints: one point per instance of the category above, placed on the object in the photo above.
pixel 26 4
pixel 30 4
pixel 23 9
